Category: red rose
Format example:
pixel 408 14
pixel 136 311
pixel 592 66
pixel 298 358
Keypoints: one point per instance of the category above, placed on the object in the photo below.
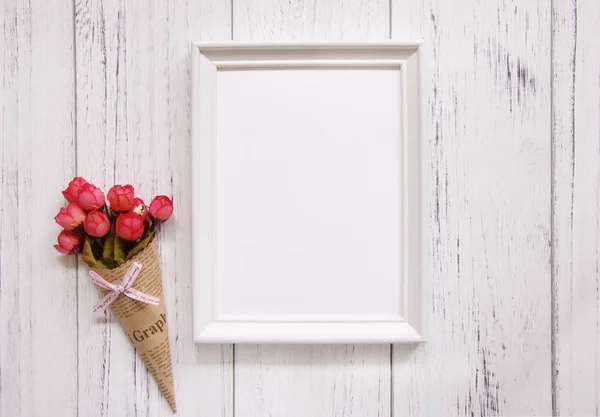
pixel 129 226
pixel 96 224
pixel 161 208
pixel 69 242
pixel 91 197
pixel 71 193
pixel 120 197
pixel 139 208
pixel 70 217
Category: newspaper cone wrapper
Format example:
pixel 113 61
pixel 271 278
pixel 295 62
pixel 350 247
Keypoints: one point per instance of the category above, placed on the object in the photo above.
pixel 145 324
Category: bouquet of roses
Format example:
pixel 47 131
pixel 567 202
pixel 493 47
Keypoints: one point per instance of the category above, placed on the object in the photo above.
pixel 117 241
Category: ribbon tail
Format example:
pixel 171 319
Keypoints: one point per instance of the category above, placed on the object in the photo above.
pixel 131 275
pixel 106 301
pixel 140 296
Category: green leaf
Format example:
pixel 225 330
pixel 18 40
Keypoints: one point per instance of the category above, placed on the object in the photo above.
pixel 140 246
pixel 119 250
pixel 109 250
pixel 110 263
pixel 88 255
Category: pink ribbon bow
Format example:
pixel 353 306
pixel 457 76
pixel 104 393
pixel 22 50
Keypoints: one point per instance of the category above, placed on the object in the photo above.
pixel 121 287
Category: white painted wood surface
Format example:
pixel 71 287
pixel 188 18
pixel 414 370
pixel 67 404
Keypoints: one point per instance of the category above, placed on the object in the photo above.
pixel 489 345
pixel 101 88
pixel 576 204
pixel 133 84
pixel 38 290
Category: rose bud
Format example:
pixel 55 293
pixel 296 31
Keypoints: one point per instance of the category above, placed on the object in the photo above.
pixel 71 193
pixel 120 197
pixel 96 224
pixel 91 197
pixel 69 242
pixel 70 217
pixel 139 208
pixel 161 208
pixel 129 226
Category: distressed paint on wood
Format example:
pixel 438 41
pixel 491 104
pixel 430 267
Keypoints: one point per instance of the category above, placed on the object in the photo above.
pixel 205 380
pixel 262 20
pixel 312 380
pixel 487 164
pixel 487 138
pixel 133 90
pixel 303 380
pixel 576 205
pixel 38 287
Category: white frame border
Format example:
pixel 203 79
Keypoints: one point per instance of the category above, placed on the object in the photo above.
pixel 207 59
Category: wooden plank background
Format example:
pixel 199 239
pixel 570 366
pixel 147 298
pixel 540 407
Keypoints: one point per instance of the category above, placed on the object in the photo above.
pixel 576 207
pixel 488 133
pixel 100 88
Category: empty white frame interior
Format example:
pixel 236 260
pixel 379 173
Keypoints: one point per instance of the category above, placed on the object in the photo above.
pixel 306 192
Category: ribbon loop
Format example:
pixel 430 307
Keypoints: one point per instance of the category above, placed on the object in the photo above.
pixel 121 287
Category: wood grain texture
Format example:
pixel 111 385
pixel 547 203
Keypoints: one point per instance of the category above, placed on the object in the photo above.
pixel 38 290
pixel 488 158
pixel 304 380
pixel 133 126
pixel 576 205
pixel 101 88
pixel 310 20
pixel 318 380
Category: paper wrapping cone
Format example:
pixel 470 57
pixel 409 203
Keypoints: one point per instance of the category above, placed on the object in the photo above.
pixel 145 324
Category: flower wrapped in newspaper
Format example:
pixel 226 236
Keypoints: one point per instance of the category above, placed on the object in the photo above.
pixel 118 242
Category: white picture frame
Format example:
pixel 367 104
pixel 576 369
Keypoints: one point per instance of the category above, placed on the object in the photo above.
pixel 230 307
